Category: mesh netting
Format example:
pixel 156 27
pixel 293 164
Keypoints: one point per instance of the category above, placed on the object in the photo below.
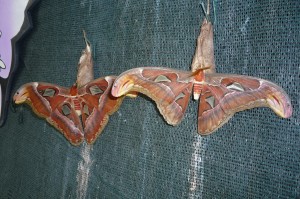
pixel 255 155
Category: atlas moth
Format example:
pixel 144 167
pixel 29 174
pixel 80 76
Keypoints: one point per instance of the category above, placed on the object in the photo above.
pixel 220 95
pixel 80 112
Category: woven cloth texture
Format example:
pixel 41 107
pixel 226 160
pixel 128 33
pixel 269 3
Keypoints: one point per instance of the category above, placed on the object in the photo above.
pixel 138 155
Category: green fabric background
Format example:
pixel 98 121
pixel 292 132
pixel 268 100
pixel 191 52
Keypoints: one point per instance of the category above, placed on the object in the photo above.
pixel 255 155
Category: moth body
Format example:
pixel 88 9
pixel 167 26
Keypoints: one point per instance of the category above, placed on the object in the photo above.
pixel 199 80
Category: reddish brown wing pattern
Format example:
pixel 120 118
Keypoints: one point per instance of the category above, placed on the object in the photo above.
pixel 61 107
pixel 220 95
pixel 224 95
pixel 170 89
pixel 97 105
pixel 58 107
pixel 54 104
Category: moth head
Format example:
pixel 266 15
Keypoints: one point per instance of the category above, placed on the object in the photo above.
pixel 22 94
pixel 206 24
pixel 122 86
pixel 73 90
pixel 207 29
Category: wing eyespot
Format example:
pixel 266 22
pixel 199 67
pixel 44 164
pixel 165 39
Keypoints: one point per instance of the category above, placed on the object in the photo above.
pixel 95 90
pixel 66 110
pixel 162 78
pixel 48 92
pixel 235 87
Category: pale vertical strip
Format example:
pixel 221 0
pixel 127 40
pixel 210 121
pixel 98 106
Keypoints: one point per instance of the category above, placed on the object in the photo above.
pixel 83 171
pixel 196 172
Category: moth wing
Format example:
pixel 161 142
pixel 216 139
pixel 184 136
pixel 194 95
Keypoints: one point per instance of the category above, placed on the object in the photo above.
pixel 53 103
pixel 97 105
pixel 223 95
pixel 170 89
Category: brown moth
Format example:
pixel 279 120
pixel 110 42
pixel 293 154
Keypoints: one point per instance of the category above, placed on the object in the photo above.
pixel 219 95
pixel 62 107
